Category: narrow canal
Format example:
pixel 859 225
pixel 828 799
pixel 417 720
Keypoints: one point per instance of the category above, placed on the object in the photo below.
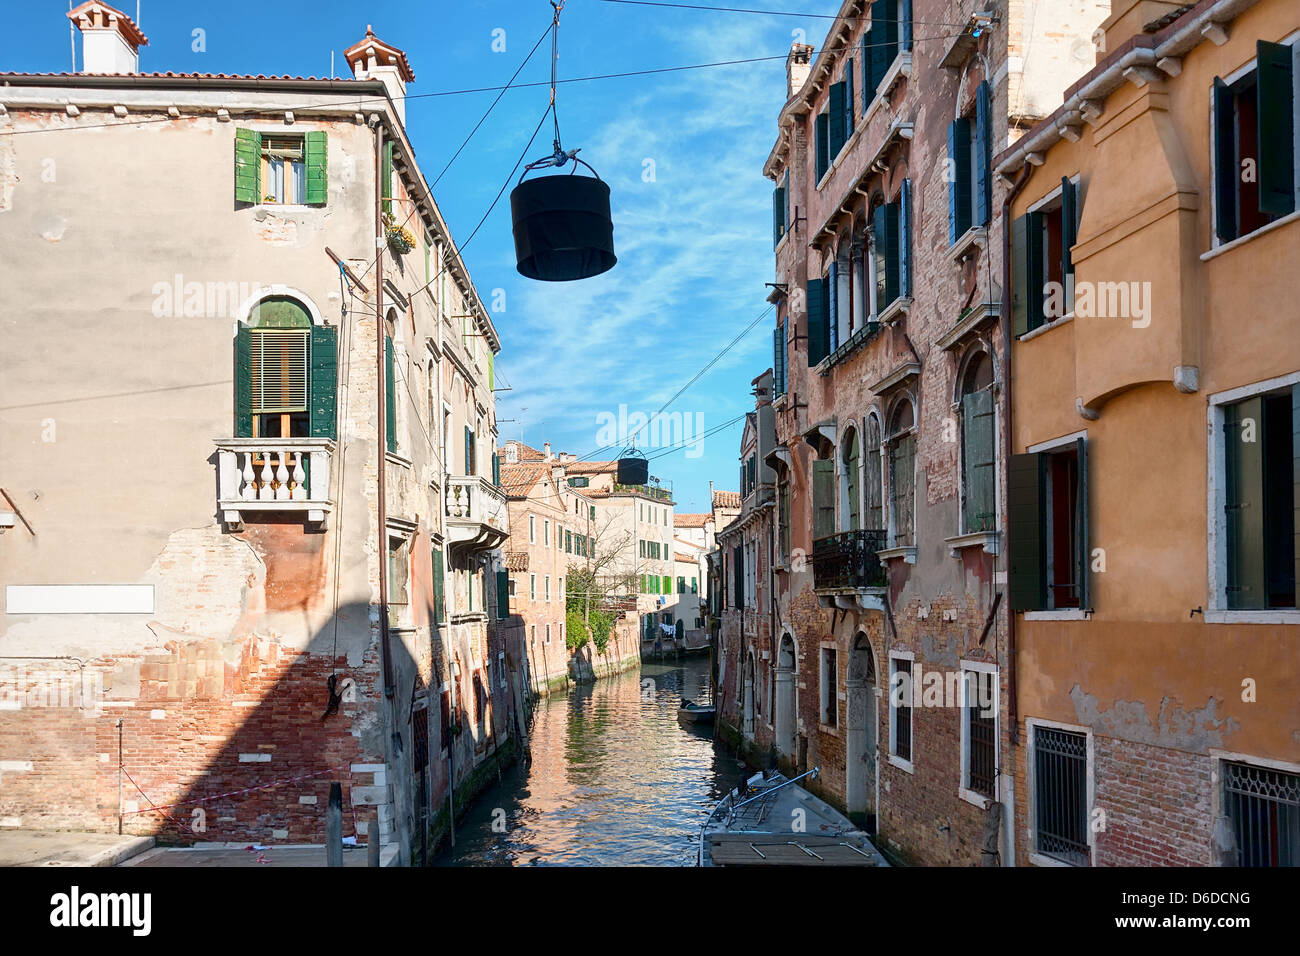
pixel 614 779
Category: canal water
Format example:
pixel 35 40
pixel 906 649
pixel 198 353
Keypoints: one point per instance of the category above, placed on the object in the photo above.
pixel 614 779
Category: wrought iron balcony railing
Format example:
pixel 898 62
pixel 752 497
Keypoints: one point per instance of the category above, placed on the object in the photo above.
pixel 848 561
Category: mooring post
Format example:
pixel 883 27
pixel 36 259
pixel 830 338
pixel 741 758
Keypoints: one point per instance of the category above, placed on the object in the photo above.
pixel 372 842
pixel 334 827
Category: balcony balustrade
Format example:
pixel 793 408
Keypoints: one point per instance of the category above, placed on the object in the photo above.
pixel 847 561
pixel 273 475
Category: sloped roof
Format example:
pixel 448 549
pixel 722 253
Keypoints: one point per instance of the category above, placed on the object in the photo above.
pixel 591 467
pixel 518 481
pixel 726 499
pixel 691 520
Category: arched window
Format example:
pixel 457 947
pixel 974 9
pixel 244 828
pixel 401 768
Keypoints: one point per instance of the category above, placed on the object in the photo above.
pixel 850 500
pixel 874 478
pixel 902 475
pixel 978 445
pixel 286 373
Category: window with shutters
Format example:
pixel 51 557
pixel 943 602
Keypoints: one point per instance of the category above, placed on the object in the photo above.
pixel 888 35
pixel 1255 164
pixel 1254 550
pixel 439 574
pixel 823 498
pixel 850 482
pixel 901 452
pixel 978 446
pixel 781 209
pixel 1042 268
pixel 969 168
pixel 783 517
pixel 821 134
pixel 532 587
pixel 285 168
pixel 817 298
pixel 889 274
pixel 873 492
pixel 1047 509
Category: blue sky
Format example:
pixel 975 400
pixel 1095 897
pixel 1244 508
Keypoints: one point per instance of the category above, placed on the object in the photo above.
pixel 694 242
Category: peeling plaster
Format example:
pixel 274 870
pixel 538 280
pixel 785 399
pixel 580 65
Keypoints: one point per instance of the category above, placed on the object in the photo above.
pixel 1195 731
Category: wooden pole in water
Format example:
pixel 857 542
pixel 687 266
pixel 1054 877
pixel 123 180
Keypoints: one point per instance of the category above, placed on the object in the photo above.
pixel 334 827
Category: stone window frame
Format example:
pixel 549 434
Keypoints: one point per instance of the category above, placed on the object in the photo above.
pixel 1031 794
pixel 907 765
pixel 963 791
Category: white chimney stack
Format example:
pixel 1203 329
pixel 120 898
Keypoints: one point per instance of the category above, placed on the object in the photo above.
pixel 373 59
pixel 110 40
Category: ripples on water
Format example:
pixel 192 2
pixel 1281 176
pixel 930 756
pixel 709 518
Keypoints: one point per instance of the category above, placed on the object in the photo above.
pixel 614 779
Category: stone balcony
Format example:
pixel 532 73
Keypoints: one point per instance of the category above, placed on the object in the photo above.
pixel 477 519
pixel 273 475
pixel 847 569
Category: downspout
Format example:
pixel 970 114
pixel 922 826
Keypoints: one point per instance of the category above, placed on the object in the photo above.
pixel 382 385
pixel 1022 179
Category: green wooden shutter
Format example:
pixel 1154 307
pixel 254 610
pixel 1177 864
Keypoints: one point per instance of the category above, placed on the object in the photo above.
pixel 832 306
pixel 849 124
pixel 390 396
pixel 851 468
pixel 905 24
pixel 492 371
pixel 978 472
pixel 316 154
pixel 778 215
pixel 835 110
pixel 248 166
pixel 1081 523
pixel 905 238
pixel 437 585
pixel 1225 162
pixel 496 469
pixel 1244 503
pixel 868 54
pixel 503 595
pixel 322 382
pixel 243 383
pixel 884 37
pixel 1020 287
pixel 886 227
pixel 822 127
pixel 738 580
pixel 469 451
pixel 1069 235
pixel 823 498
pixel 959 184
pixel 983 154
pixel 1276 116
pixel 387 175
pixel 1027 578
pixel 818 313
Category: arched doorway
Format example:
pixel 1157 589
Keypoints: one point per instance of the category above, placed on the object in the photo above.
pixel 748 696
pixel 785 696
pixel 860 731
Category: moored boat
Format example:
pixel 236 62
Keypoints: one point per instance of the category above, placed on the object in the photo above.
pixel 693 713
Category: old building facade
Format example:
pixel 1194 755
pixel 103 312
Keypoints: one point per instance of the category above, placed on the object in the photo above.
pixel 255 533
pixel 1153 481
pixel 885 559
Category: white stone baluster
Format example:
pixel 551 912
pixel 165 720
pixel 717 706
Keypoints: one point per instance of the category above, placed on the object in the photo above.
pixel 282 477
pixel 266 492
pixel 299 490
pixel 247 490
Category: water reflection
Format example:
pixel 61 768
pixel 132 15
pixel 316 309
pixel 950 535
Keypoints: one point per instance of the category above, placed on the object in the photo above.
pixel 614 779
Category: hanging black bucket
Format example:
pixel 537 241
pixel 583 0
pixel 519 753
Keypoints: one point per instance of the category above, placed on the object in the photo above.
pixel 562 226
pixel 633 470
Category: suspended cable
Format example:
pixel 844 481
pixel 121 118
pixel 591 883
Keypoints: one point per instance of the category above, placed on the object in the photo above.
pixel 776 13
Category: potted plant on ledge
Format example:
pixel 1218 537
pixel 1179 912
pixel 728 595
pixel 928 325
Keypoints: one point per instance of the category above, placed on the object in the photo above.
pixel 400 239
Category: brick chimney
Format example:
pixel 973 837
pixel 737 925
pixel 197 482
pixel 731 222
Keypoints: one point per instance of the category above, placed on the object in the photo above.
pixel 373 59
pixel 797 66
pixel 110 40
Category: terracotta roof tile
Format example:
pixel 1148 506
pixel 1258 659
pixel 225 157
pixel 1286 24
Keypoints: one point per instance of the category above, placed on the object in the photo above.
pixel 691 520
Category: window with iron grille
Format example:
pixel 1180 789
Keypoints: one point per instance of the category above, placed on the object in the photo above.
pixel 900 698
pixel 981 732
pixel 1061 795
pixel 1264 808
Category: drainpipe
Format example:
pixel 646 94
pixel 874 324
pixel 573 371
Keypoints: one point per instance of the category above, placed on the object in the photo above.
pixel 382 379
pixel 1022 179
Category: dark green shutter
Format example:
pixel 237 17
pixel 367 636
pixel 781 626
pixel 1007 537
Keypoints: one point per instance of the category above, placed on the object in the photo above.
pixel 817 315
pixel 984 154
pixel 977 459
pixel 738 568
pixel 248 166
pixel 959 184
pixel 778 215
pixel 1244 503
pixel 1020 284
pixel 243 384
pixel 390 396
pixel 1276 112
pixel 469 451
pixel 496 469
pixel 848 100
pixel 823 498
pixel 822 126
pixel 323 381
pixel 851 470
pixel 1081 523
pixel 836 111
pixel 1226 170
pixel 503 595
pixel 868 55
pixel 1069 222
pixel 884 39
pixel 316 154
pixel 437 585
pixel 833 306
pixel 1027 580
pixel 387 177
pixel 905 238
pixel 905 24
